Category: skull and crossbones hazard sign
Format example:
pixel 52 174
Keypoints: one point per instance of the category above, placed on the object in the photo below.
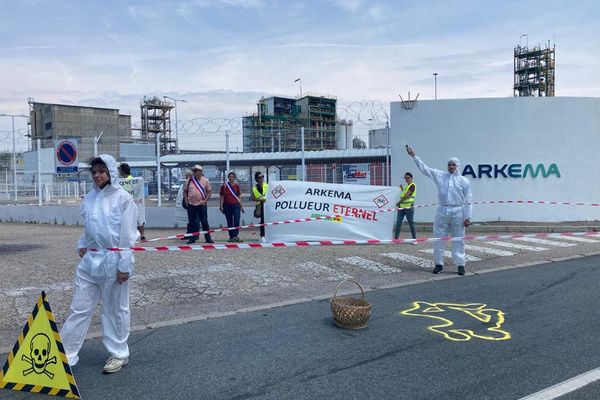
pixel 39 356
pixel 38 362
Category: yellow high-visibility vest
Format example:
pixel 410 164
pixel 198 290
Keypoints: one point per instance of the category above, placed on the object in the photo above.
pixel 411 199
pixel 256 193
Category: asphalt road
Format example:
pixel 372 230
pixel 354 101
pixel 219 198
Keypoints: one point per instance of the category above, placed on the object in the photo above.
pixel 296 352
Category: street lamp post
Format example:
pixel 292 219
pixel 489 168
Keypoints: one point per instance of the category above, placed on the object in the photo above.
pixel 299 80
pixel 435 74
pixel 96 140
pixel 176 122
pixel 388 166
pixel 14 149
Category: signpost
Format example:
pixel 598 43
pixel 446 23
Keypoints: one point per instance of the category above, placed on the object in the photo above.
pixel 67 156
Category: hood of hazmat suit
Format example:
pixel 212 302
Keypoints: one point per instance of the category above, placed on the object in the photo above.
pixel 110 217
pixel 456 161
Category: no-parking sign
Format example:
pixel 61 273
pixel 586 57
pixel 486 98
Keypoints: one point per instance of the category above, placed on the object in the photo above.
pixel 67 156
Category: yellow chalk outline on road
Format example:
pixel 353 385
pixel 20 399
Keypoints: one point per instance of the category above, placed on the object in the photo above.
pixel 475 310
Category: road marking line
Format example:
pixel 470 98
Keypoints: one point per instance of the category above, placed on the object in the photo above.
pixel 577 239
pixel 516 246
pixel 448 254
pixel 545 242
pixel 369 265
pixel 418 261
pixel 565 387
pixel 489 250
pixel 331 273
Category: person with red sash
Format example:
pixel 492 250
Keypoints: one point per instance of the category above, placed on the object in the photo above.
pixel 196 195
pixel 231 205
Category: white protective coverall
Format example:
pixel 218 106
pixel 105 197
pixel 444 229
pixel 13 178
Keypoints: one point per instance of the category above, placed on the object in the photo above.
pixel 455 205
pixel 110 217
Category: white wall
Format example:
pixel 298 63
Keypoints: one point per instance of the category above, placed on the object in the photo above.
pixel 163 217
pixel 522 130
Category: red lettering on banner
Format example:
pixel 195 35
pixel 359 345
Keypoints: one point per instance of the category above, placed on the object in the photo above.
pixel 340 209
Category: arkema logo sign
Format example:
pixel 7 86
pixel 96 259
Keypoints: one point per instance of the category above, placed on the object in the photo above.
pixel 495 171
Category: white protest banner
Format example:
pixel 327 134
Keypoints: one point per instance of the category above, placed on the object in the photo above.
pixel 135 187
pixel 355 204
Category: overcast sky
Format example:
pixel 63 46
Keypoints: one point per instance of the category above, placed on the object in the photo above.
pixel 223 55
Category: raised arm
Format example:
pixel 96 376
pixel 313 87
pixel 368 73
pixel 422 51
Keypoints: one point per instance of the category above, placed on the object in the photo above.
pixel 425 170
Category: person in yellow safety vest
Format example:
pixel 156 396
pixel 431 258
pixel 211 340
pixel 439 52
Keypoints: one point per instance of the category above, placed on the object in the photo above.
pixel 259 195
pixel 407 199
pixel 125 172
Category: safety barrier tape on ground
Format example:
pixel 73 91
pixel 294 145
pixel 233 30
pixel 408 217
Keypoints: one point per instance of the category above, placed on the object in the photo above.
pixel 230 246
pixel 340 217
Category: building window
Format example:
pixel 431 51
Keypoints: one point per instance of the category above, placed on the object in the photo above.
pixel 48 126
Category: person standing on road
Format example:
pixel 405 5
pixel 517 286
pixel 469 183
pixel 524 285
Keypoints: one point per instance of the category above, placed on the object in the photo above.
pixel 259 195
pixel 110 217
pixel 188 179
pixel 454 211
pixel 231 205
pixel 125 172
pixel 196 195
pixel 407 200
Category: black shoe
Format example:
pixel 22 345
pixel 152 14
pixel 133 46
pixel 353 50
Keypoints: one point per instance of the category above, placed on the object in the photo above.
pixel 185 238
pixel 461 270
pixel 143 238
pixel 192 240
pixel 209 241
pixel 438 269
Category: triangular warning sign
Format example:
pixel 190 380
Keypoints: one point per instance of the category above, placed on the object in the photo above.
pixel 37 362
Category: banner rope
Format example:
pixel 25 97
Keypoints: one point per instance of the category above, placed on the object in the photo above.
pixel 231 246
pixel 340 217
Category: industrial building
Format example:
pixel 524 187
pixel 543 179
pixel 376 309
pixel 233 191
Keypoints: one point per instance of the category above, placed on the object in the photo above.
pixel 378 138
pixel 277 122
pixel 534 71
pixel 50 122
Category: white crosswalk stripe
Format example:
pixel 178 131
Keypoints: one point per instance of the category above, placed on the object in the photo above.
pixel 321 270
pixel 489 250
pixel 545 242
pixel 369 265
pixel 418 261
pixel 577 239
pixel 516 246
pixel 448 254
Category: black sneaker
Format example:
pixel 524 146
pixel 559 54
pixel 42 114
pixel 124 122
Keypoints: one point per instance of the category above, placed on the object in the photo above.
pixel 209 241
pixel 438 269
pixel 143 238
pixel 461 270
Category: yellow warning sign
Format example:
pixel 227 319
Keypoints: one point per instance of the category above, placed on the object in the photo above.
pixel 37 362
pixel 489 320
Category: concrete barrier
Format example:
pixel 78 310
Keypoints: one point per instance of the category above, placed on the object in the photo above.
pixel 163 217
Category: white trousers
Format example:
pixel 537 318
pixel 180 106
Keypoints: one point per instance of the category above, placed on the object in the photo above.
pixel 449 221
pixel 115 315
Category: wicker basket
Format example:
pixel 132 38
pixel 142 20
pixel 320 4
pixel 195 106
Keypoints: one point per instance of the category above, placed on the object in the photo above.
pixel 348 312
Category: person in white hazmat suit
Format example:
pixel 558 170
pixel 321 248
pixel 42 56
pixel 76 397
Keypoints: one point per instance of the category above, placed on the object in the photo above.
pixel 110 217
pixel 454 211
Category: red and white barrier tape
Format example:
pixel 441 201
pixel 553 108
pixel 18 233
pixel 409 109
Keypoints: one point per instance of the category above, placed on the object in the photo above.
pixel 330 217
pixel 346 242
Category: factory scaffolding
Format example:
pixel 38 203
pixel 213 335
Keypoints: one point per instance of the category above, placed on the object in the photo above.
pixel 534 71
